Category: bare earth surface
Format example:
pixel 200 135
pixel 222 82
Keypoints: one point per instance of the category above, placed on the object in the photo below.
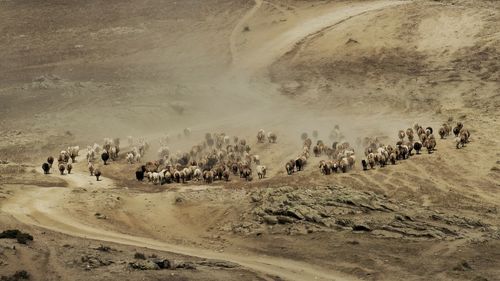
pixel 73 72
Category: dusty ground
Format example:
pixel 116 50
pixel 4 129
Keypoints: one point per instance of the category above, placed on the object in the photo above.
pixel 73 72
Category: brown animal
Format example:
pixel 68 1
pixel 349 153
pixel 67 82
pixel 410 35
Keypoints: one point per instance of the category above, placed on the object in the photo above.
pixel 97 174
pixel 62 168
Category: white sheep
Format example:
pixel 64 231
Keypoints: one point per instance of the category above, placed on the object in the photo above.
pixel 197 174
pixel 155 177
pixel 261 135
pixel 130 158
pixel 137 158
pixel 272 137
pixel 261 171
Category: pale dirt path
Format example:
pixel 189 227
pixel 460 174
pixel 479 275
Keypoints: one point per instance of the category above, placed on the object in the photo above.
pixel 239 28
pixel 282 43
pixel 42 207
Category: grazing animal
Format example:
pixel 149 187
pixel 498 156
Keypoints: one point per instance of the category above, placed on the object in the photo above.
pixel 430 144
pixel 460 141
pixel 447 129
pixel 364 163
pixel 392 158
pixel 272 137
pixel 139 173
pixel 91 168
pixel 225 175
pixel 401 134
pixel 316 151
pixel 261 171
pixel 197 174
pixel 46 168
pixel 429 131
pixel 105 157
pixel 247 174
pixel 343 164
pixel 299 164
pixel 463 138
pixel 97 174
pixel 442 132
pixel 261 136
pixel 410 134
pixel 324 168
pixel 289 167
pixel 50 161
pixel 465 133
pixel 130 158
pixel 62 168
pixel 69 168
pixel 208 176
pixel 371 160
pixel 417 146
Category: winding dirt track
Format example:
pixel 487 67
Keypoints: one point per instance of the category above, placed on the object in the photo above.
pixel 43 207
pixel 283 43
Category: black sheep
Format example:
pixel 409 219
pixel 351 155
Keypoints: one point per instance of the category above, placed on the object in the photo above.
pixel 139 174
pixel 365 165
pixel 46 168
pixel 105 157
pixel 299 163
pixel 417 146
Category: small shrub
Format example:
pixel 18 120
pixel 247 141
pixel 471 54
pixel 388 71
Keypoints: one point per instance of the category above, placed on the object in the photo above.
pixel 21 237
pixel 246 29
pixel 19 275
pixel 139 256
pixel 103 248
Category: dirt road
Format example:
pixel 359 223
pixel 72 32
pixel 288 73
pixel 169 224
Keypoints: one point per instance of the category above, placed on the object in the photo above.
pixel 42 207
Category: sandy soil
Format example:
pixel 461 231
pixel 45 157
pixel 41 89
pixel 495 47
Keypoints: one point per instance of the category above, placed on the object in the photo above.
pixel 75 72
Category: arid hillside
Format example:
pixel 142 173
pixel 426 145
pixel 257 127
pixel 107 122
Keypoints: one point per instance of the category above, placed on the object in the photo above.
pixel 250 140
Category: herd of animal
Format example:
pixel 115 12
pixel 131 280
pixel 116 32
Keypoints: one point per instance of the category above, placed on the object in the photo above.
pixel 219 156
pixel 341 156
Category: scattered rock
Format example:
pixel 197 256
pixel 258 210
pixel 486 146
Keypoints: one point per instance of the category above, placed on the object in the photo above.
pixel 182 265
pixel 344 222
pixel 94 261
pixel 285 219
pixel 462 266
pixel 361 227
pixel 163 263
pixel 144 265
pixel 270 219
pixel 103 248
pixel 351 41
pixel 256 198
pixel 100 216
